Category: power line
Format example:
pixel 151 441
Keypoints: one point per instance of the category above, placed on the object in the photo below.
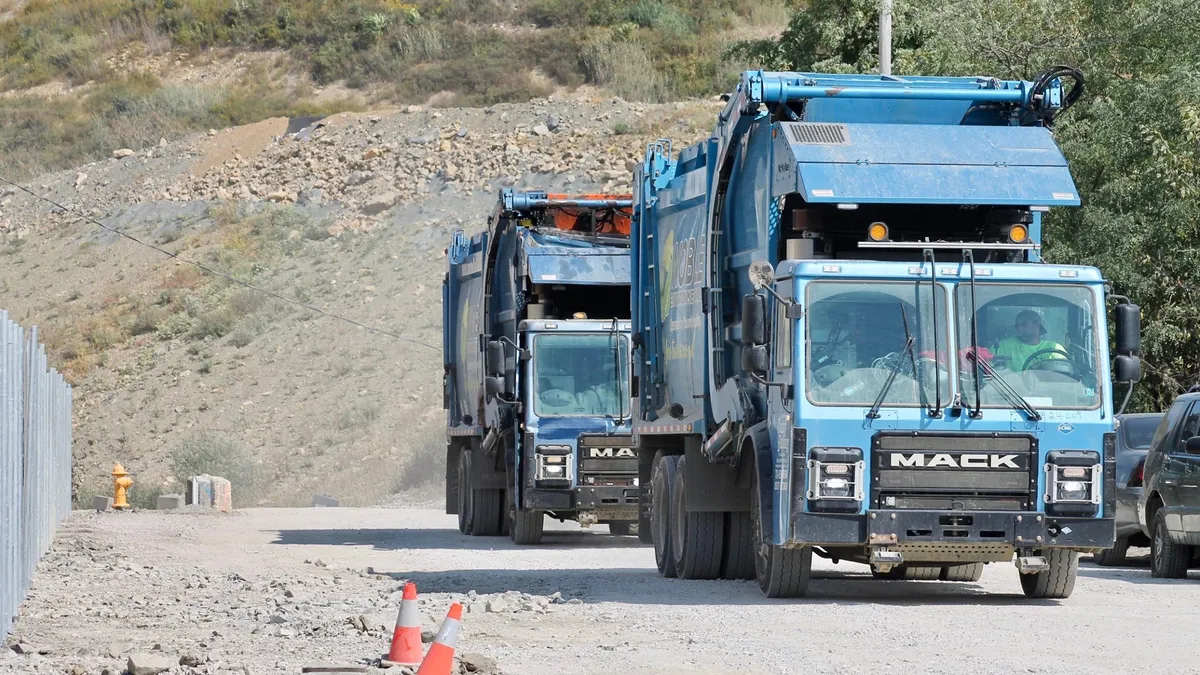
pixel 212 271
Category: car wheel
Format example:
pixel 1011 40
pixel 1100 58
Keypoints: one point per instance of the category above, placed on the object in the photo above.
pixel 1168 560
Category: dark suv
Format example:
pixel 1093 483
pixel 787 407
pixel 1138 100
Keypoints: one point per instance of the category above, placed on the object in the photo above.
pixel 1169 509
pixel 1134 434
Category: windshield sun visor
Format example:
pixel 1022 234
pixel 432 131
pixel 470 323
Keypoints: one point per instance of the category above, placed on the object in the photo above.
pixel 921 164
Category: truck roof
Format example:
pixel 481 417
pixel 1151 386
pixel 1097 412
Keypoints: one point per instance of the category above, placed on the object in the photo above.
pixel 952 270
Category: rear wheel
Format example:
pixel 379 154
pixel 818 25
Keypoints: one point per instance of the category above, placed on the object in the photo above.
pixel 737 561
pixel 1110 557
pixel 1057 582
pixel 1168 560
pixel 696 536
pixel 661 482
pixel 780 572
pixel 480 512
pixel 464 492
pixel 970 573
pixel 620 529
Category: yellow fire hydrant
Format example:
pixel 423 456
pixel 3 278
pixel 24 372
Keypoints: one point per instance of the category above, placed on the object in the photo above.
pixel 121 484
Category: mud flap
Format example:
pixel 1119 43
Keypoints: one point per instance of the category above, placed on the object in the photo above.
pixel 760 444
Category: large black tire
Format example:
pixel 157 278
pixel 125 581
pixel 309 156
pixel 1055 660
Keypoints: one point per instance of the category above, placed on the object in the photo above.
pixel 464 492
pixel 661 481
pixel 697 537
pixel 620 528
pixel 527 527
pixel 488 512
pixel 1057 582
pixel 1111 557
pixel 780 572
pixel 968 573
pixel 1168 560
pixel 737 562
pixel 480 512
pixel 644 531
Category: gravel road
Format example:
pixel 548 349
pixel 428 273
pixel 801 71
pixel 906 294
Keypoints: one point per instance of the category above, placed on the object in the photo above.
pixel 271 590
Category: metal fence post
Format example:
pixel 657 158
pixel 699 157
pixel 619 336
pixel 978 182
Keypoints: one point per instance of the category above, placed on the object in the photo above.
pixel 35 460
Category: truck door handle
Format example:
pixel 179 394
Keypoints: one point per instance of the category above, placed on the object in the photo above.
pixel 1168 482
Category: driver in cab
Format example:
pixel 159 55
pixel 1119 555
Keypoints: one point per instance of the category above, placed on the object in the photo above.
pixel 1014 352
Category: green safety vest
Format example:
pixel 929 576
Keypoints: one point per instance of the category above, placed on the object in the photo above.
pixel 1018 352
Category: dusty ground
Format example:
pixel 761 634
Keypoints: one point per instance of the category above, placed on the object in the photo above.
pixel 272 590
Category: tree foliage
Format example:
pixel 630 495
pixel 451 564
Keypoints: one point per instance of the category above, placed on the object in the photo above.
pixel 1133 140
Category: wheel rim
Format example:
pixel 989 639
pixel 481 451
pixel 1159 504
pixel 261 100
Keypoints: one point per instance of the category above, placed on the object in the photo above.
pixel 1157 547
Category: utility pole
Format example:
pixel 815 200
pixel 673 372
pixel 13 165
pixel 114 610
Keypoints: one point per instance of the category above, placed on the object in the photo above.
pixel 885 37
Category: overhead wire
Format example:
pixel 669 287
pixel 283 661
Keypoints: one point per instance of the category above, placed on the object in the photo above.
pixel 215 272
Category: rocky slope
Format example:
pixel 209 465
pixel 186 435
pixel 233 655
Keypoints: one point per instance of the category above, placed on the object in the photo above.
pixel 177 372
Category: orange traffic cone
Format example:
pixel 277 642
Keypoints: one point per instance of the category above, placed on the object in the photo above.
pixel 406 638
pixel 440 659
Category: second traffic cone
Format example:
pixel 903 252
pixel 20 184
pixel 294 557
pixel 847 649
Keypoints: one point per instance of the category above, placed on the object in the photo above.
pixel 406 638
pixel 440 659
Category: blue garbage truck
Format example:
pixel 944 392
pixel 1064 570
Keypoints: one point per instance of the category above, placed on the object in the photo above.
pixel 847 342
pixel 536 360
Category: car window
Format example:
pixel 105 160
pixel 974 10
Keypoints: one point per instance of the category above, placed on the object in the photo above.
pixel 1167 426
pixel 1189 428
pixel 1139 431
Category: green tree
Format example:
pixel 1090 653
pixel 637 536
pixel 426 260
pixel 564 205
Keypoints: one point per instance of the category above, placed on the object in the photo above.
pixel 1133 140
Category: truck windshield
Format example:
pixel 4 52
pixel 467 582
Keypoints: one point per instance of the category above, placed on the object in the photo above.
pixel 581 374
pixel 1040 339
pixel 856 337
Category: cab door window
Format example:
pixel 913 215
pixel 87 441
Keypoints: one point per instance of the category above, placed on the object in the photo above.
pixel 1190 427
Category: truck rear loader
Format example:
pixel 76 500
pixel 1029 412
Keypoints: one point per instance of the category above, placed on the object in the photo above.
pixel 536 367
pixel 847 342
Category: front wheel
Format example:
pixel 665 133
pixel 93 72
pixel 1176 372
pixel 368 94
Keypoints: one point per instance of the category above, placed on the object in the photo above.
pixel 1057 582
pixel 780 572
pixel 1168 560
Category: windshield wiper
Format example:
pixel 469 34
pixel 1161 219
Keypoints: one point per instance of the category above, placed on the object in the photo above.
pixel 1013 395
pixel 909 341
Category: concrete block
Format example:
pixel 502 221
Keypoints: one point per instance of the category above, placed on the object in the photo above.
pixel 222 494
pixel 325 500
pixel 168 502
pixel 102 503
pixel 200 490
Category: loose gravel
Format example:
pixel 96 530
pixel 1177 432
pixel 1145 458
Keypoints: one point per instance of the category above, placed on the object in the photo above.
pixel 272 590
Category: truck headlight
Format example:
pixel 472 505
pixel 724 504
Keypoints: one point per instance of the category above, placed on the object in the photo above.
pixel 552 462
pixel 836 474
pixel 1073 482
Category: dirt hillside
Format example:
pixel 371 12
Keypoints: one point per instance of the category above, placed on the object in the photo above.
pixel 178 372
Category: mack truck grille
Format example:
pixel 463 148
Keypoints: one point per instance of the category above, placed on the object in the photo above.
pixel 947 472
pixel 607 460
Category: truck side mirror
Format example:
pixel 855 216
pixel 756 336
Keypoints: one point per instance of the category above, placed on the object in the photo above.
pixel 495 358
pixel 1129 328
pixel 754 319
pixel 1127 369
pixel 1192 445
pixel 754 359
pixel 494 386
